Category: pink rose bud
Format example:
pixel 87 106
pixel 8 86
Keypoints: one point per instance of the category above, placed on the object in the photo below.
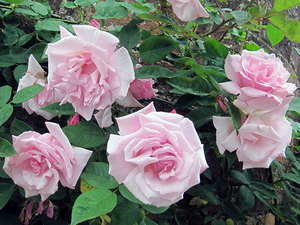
pixel 173 111
pixel 40 209
pixel 221 102
pixel 188 10
pixel 28 212
pixel 74 119
pixel 94 23
pixel 142 88
pixel 157 156
pixel 50 210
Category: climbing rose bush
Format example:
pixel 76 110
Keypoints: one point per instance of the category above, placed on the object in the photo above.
pixel 88 72
pixel 157 155
pixel 188 10
pixel 45 159
pixel 258 142
pixel 260 81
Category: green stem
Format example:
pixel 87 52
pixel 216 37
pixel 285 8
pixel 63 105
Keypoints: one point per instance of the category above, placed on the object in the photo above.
pixel 218 27
pixel 6 6
pixel 63 20
pixel 249 4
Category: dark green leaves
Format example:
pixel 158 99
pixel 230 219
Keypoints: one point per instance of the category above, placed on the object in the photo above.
pixel 6 148
pixel 27 93
pixel 7 189
pixel 235 114
pixel 153 72
pixel 130 35
pixel 96 175
pixel 109 9
pixel 126 213
pixel 246 198
pixel 5 112
pixel 154 49
pixel 5 93
pixel 215 49
pixel 92 204
pixel 17 127
pixel 86 135
pixel 56 108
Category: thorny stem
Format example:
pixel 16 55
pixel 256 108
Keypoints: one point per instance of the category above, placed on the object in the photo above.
pixel 226 21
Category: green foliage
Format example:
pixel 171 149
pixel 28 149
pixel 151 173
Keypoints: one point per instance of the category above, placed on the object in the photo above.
pixel 156 48
pixel 27 93
pixel 6 148
pixel 79 133
pixel 92 204
pixel 56 108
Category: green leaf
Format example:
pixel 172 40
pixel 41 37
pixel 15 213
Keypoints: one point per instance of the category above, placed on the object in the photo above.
pixel 37 51
pixel 9 218
pixel 258 11
pixel 130 35
pixel 215 49
pixel 86 135
pixel 24 39
pixel 294 106
pixel 6 60
pixel 39 8
pixel 27 93
pixel 16 1
pixel 150 208
pixel 69 5
pixel 235 114
pixel 18 54
pixel 290 27
pixel 56 108
pixel 291 177
pixel 49 25
pixel 7 189
pixel 135 8
pixel 11 20
pixel 88 2
pixel 96 175
pixel 246 198
pixel 264 188
pixel 5 113
pixel 154 49
pixel 126 213
pixel 5 93
pixel 280 5
pixel 19 71
pixel 232 211
pixel 201 115
pixel 6 148
pixel 218 222
pixel 107 10
pixel 239 176
pixel 153 72
pixel 274 34
pixel 240 17
pixel 206 192
pixel 17 127
pixel 195 86
pixel 93 203
pixel 10 35
pixel 26 11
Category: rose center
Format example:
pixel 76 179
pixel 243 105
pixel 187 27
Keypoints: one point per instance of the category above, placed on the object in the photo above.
pixel 39 166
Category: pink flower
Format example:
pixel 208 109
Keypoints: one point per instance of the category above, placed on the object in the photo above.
pixel 74 119
pixel 188 10
pixel 158 155
pixel 94 23
pixel 35 75
pixel 142 88
pixel 87 71
pixel 43 160
pixel 258 142
pixel 260 81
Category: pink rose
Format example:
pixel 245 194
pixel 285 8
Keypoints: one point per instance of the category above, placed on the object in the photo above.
pixel 258 142
pixel 87 71
pixel 188 10
pixel 158 155
pixel 36 75
pixel 43 160
pixel 260 79
pixel 142 88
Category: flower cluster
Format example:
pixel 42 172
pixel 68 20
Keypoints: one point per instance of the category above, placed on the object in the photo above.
pixel 86 71
pixel 263 94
